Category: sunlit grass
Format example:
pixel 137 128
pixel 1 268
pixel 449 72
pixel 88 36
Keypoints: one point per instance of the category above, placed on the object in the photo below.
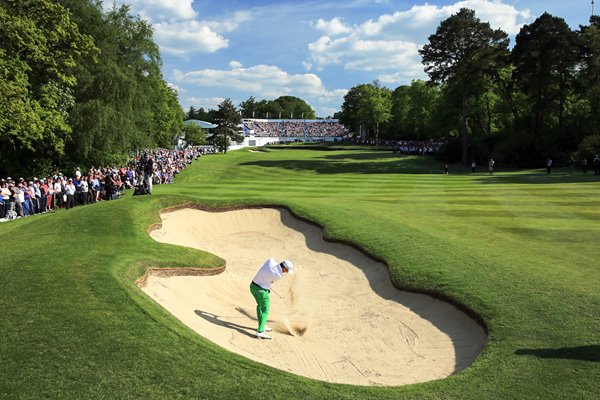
pixel 518 248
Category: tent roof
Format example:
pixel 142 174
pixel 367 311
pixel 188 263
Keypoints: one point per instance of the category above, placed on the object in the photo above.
pixel 203 124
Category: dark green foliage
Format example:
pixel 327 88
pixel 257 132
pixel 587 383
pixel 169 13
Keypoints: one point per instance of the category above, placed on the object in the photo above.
pixel 40 48
pixel 228 120
pixel 201 114
pixel 365 108
pixel 80 85
pixel 194 134
pixel 545 56
pixel 463 51
pixel 123 103
pixel 413 111
pixel 589 147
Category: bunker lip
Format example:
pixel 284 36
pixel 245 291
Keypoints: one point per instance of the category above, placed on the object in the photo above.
pixel 341 319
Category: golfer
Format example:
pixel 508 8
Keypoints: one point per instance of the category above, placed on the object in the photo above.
pixel 260 288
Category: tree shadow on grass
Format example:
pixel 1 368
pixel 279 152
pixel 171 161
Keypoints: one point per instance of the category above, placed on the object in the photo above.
pixel 539 178
pixel 217 320
pixel 359 163
pixel 583 353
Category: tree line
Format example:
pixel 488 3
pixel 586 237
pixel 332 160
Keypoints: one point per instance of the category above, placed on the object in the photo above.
pixel 283 107
pixel 522 105
pixel 80 85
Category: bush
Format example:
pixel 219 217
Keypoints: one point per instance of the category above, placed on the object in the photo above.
pixel 589 147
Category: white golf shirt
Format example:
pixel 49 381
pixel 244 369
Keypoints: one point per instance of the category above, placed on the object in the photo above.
pixel 268 273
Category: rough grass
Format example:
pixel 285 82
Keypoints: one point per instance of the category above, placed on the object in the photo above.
pixel 518 248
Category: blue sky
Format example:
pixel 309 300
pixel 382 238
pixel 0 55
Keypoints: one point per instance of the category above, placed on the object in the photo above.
pixel 315 50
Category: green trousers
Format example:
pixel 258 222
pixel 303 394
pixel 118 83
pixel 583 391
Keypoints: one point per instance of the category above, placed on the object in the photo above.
pixel 262 305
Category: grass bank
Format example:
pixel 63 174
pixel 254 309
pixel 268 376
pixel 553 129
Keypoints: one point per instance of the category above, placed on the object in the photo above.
pixel 518 248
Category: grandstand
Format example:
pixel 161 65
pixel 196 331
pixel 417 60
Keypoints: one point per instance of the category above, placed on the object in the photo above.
pixel 259 132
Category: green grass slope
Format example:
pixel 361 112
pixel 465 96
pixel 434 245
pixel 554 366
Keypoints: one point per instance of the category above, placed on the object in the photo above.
pixel 520 249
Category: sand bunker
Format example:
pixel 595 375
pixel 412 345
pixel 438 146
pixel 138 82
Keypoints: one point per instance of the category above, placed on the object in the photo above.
pixel 338 319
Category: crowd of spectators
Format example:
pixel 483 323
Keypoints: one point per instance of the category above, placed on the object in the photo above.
pixel 295 128
pixel 418 147
pixel 22 197
pixel 412 147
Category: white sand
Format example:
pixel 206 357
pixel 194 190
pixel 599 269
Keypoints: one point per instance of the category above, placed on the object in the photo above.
pixel 340 319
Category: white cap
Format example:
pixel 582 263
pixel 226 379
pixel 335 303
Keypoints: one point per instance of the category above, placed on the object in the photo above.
pixel 288 264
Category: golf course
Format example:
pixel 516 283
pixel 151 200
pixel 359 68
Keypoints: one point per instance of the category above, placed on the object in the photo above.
pixel 518 251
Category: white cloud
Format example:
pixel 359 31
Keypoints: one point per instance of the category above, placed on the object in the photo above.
pixel 334 27
pixel 426 18
pixel 364 55
pixel 185 37
pixel 202 102
pixel 178 89
pixel 390 42
pixel 177 30
pixel 261 81
pixel 158 10
pixel 235 64
pixel 230 24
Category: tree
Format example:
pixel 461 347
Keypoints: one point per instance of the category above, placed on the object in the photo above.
pixel 294 107
pixel 545 56
pixel 121 102
pixel 350 115
pixel 589 78
pixel 268 109
pixel 228 120
pixel 375 106
pixel 248 108
pixel 40 47
pixel 194 134
pixel 461 51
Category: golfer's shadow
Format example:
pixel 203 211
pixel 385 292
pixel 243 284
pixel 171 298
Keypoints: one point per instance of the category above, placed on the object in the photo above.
pixel 216 319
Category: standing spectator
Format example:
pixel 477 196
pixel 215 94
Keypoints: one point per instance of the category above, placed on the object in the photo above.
pixel 50 192
pixel 58 193
pixel 38 196
pixel 5 192
pixel 20 192
pixel 26 198
pixel 96 187
pixel 571 165
pixel 83 190
pixel 77 197
pixel 108 185
pixel 149 172
pixel 70 192
pixel 549 166
pixel 584 165
pixel 596 165
pixel 473 166
pixel 491 166
pixel 15 203
pixel 43 195
pixel 90 194
pixel 32 198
